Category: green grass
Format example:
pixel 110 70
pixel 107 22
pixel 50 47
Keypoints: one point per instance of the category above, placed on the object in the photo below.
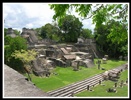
pixel 67 76
pixel 100 91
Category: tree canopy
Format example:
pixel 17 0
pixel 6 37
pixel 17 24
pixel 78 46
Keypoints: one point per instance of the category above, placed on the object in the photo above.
pixel 86 33
pixel 10 45
pixel 107 45
pixel 100 14
pixel 25 56
pixel 71 28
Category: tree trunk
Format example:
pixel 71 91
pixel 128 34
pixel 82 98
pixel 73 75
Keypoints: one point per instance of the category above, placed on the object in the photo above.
pixel 27 71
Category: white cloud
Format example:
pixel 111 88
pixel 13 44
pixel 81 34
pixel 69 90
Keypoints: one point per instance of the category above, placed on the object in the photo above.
pixel 30 25
pixel 37 9
pixel 88 24
pixel 31 15
pixel 7 9
pixel 25 14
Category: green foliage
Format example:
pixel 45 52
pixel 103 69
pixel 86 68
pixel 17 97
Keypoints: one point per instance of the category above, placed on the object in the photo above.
pixel 43 32
pixel 100 14
pixel 38 33
pixel 99 17
pixel 16 64
pixel 10 45
pixel 25 56
pixel 124 50
pixel 71 28
pixel 7 40
pixel 107 37
pixel 86 33
pixel 97 12
pixel 5 31
pixel 60 10
pixel 82 9
pixel 50 31
pixel 17 32
pixel 18 43
pixel 118 31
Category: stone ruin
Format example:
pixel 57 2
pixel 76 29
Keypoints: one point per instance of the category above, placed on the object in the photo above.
pixel 64 56
pixel 41 66
pixel 10 32
pixel 51 54
pixel 113 75
pixel 30 35
pixel 87 45
pixel 123 58
pixel 32 39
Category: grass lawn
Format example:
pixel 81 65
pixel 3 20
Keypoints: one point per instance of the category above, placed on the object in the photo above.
pixel 100 91
pixel 67 76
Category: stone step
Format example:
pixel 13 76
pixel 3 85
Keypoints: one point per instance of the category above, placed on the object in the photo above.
pixel 72 85
pixel 69 86
pixel 77 86
pixel 79 89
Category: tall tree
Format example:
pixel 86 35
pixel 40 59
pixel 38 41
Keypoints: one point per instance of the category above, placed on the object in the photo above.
pixel 26 57
pixel 10 45
pixel 38 33
pixel 86 33
pixel 110 46
pixel 50 31
pixel 5 31
pixel 100 13
pixel 43 32
pixel 17 32
pixel 71 28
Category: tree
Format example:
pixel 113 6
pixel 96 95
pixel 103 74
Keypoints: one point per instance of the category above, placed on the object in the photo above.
pixel 5 31
pixel 43 32
pixel 17 32
pixel 26 57
pixel 100 13
pixel 71 28
pixel 38 33
pixel 10 45
pixel 110 46
pixel 50 31
pixel 7 39
pixel 57 32
pixel 118 31
pixel 86 33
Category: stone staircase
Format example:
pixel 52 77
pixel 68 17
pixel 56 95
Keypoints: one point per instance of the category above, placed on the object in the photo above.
pixel 77 87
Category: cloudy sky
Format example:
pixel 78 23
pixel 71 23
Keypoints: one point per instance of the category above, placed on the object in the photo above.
pixel 31 15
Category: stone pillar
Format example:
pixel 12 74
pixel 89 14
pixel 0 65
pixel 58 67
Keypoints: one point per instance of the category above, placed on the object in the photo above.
pixel 120 57
pixel 121 84
pixel 115 85
pixel 126 66
pixel 99 62
pixel 106 56
pixel 72 94
pixel 88 87
pixel 104 60
pixel 99 81
pixel 126 80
